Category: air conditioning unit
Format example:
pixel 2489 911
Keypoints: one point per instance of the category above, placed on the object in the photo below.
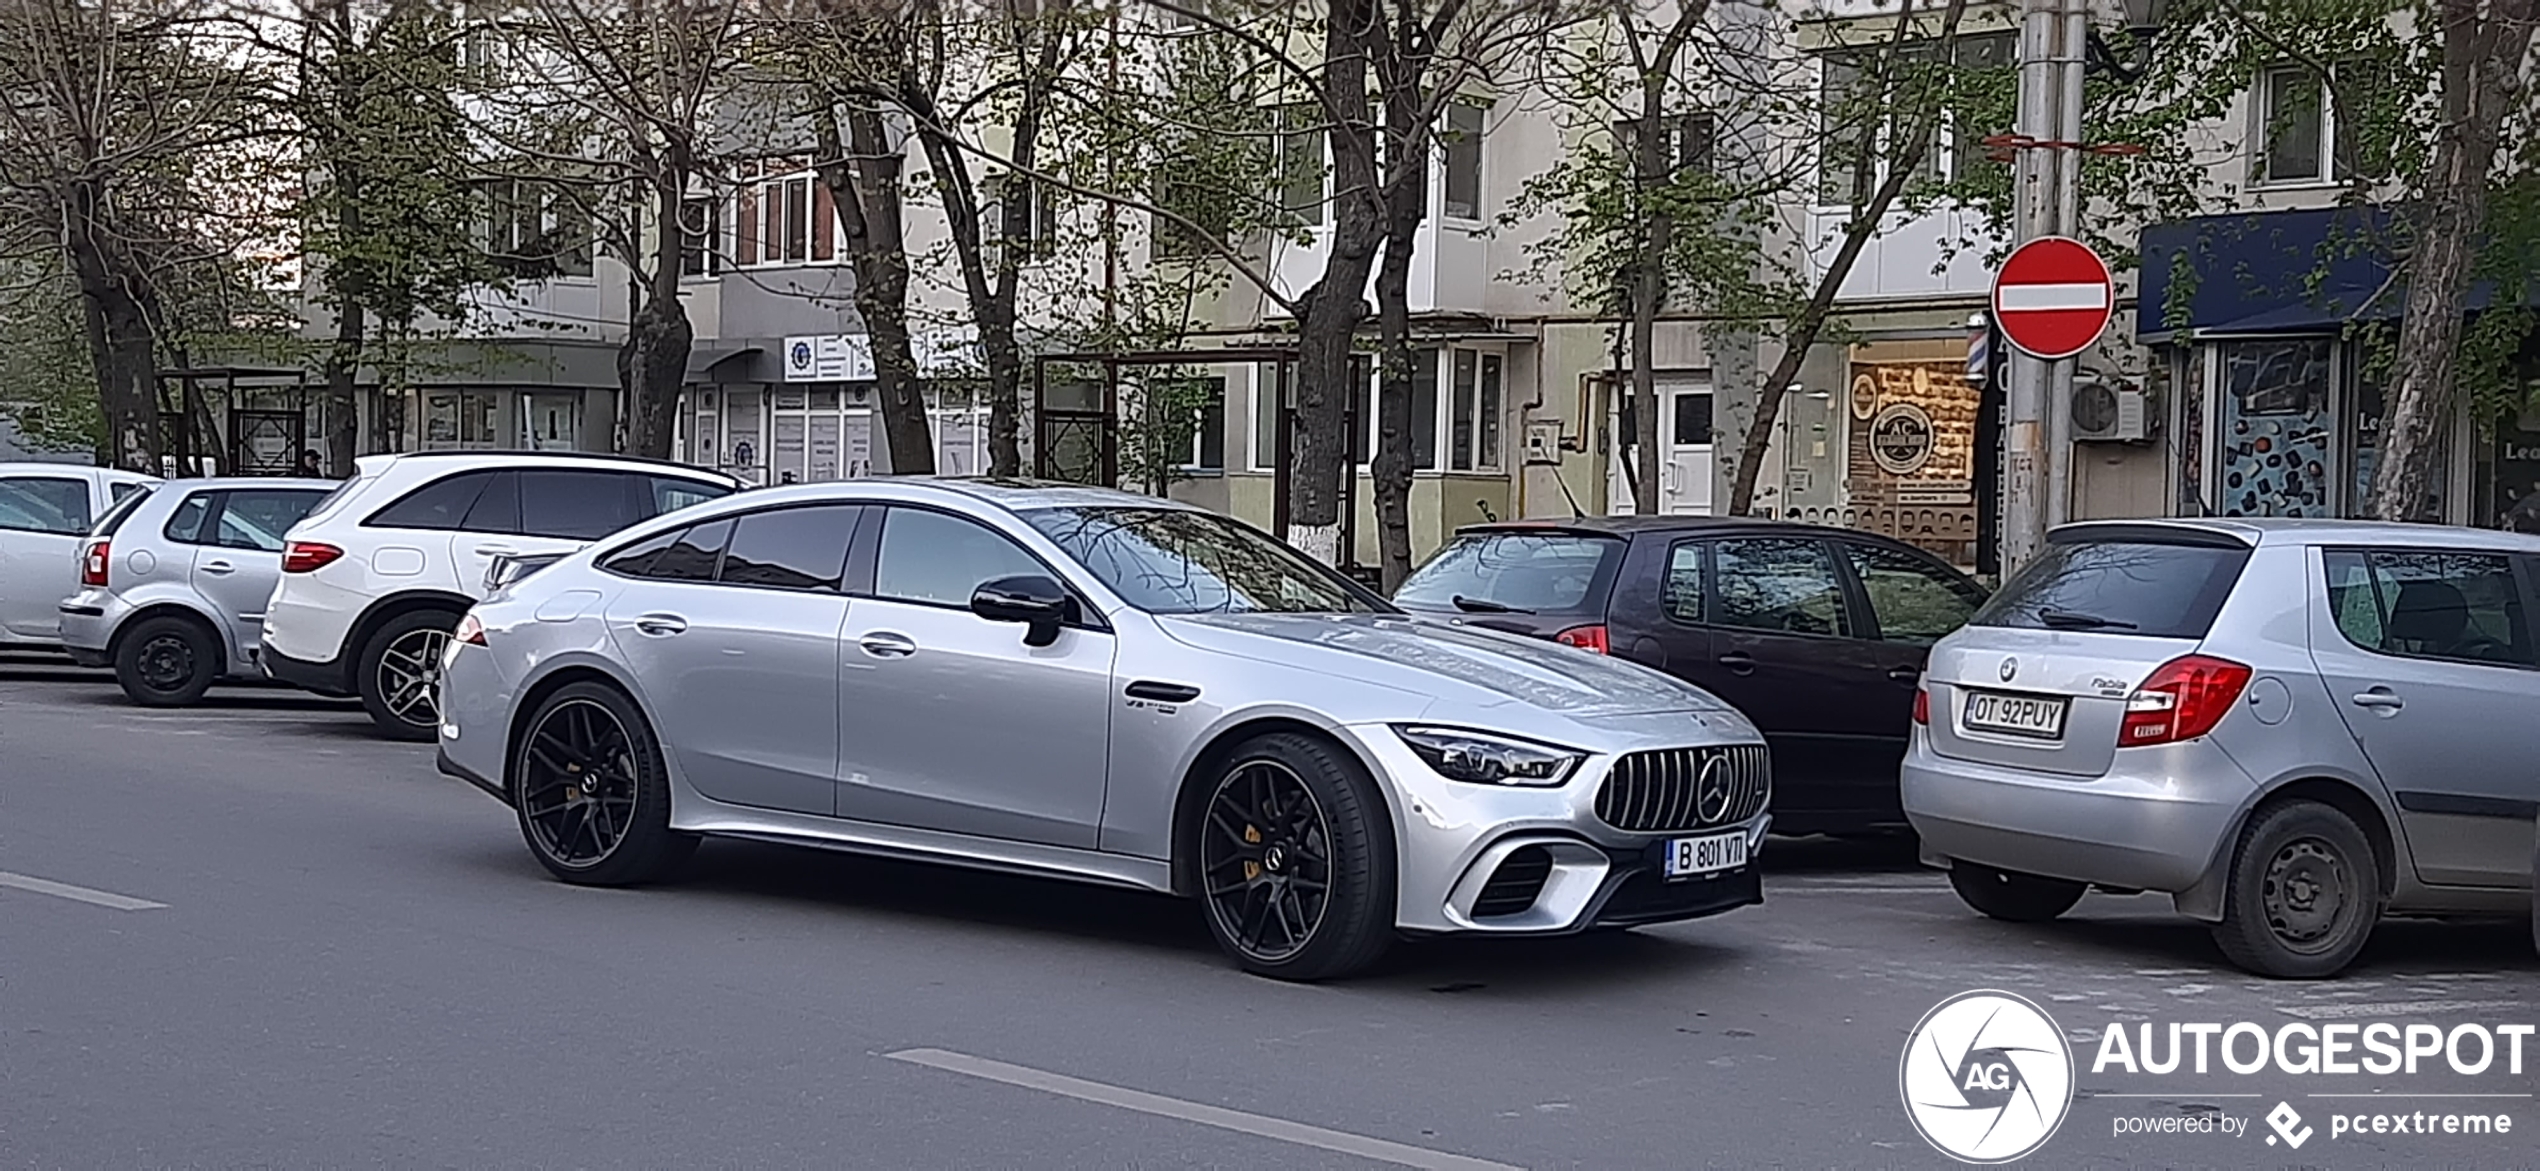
pixel 2107 412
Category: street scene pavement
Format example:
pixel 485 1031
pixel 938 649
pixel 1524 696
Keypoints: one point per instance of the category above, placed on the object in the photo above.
pixel 253 934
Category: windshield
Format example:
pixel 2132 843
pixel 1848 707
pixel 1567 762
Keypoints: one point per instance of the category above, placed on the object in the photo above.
pixel 1530 573
pixel 1181 561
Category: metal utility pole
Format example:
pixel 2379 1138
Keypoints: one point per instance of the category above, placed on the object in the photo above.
pixel 2046 201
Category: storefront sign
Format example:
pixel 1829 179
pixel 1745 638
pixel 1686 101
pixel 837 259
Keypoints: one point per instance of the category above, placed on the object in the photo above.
pixel 1901 439
pixel 844 357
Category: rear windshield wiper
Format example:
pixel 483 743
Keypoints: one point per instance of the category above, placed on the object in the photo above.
pixel 2068 620
pixel 1485 606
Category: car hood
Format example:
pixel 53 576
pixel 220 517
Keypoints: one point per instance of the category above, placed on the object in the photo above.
pixel 1476 668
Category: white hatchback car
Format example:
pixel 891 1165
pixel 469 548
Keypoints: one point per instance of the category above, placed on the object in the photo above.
pixel 45 513
pixel 375 578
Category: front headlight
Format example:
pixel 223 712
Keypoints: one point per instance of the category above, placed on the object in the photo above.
pixel 1484 759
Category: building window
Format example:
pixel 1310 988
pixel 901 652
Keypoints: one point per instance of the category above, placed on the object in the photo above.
pixel 1463 161
pixel 535 229
pixel 1989 52
pixel 785 217
pixel 1190 197
pixel 700 238
pixel 1846 130
pixel 1691 146
pixel 459 419
pixel 1473 419
pixel 1023 211
pixel 2295 126
pixel 1304 164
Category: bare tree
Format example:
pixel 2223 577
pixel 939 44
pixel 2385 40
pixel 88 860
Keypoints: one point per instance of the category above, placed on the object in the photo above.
pixel 2485 57
pixel 118 116
pixel 612 112
pixel 1902 96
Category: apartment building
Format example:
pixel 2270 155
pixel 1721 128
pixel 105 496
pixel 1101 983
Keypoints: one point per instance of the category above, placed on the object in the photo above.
pixel 1516 410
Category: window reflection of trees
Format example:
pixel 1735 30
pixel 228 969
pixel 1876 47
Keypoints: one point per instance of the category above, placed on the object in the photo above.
pixel 1172 561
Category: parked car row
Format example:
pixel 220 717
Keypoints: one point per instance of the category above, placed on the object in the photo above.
pixel 2292 728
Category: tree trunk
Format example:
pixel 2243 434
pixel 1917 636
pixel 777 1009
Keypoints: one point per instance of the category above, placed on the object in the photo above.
pixel 866 189
pixel 342 413
pixel 2482 88
pixel 1333 307
pixel 122 343
pixel 652 364
pixel 1406 198
pixel 1811 321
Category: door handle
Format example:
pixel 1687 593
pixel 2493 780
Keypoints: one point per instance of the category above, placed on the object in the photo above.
pixel 661 624
pixel 1908 676
pixel 1738 662
pixel 883 644
pixel 2380 699
pixel 219 567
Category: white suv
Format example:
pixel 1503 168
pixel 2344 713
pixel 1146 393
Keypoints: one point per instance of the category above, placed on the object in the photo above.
pixel 376 577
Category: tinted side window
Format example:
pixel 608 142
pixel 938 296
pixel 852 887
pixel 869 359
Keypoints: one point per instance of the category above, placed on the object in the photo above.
pixel 2159 588
pixel 792 548
pixel 44 504
pixel 1681 593
pixel 693 554
pixel 636 560
pixel 933 557
pixel 126 503
pixel 1913 600
pixel 670 494
pixel 2460 606
pixel 1780 584
pixel 440 505
pixel 185 525
pixel 256 518
pixel 575 505
pixel 498 510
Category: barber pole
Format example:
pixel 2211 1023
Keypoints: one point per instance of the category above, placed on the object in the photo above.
pixel 1979 352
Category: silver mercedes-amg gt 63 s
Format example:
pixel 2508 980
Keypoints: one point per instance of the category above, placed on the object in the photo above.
pixel 1088 684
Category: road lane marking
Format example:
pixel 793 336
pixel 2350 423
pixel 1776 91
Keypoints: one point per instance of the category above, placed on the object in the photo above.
pixel 1787 889
pixel 2394 1008
pixel 1199 1112
pixel 64 890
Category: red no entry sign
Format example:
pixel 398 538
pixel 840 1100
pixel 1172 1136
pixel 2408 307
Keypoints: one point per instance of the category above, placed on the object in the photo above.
pixel 2053 297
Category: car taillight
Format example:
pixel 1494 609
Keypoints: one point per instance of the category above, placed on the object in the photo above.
pixel 2183 699
pixel 470 631
pixel 1922 705
pixel 92 564
pixel 1586 638
pixel 308 557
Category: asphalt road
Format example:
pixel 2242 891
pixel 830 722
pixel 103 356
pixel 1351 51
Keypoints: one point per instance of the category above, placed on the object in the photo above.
pixel 251 934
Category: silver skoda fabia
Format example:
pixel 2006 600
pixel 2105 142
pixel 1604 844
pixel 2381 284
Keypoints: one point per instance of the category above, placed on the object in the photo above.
pixel 1092 685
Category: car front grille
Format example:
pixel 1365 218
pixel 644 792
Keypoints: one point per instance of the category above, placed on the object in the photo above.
pixel 1512 888
pixel 1665 790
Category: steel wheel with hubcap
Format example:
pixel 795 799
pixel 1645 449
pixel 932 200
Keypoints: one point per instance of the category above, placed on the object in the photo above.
pixel 590 791
pixel 1295 860
pixel 399 675
pixel 2305 892
pixel 166 661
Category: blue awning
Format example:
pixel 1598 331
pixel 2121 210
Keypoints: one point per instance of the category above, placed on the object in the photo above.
pixel 2305 271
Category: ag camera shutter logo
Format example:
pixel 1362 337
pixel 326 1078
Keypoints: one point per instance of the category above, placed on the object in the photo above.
pixel 1986 1077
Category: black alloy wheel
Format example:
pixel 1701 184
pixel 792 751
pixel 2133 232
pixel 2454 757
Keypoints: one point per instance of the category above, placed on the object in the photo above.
pixel 1295 859
pixel 166 661
pixel 2305 892
pixel 590 791
pixel 1268 858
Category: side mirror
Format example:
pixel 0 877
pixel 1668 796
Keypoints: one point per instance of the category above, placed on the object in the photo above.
pixel 1037 602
